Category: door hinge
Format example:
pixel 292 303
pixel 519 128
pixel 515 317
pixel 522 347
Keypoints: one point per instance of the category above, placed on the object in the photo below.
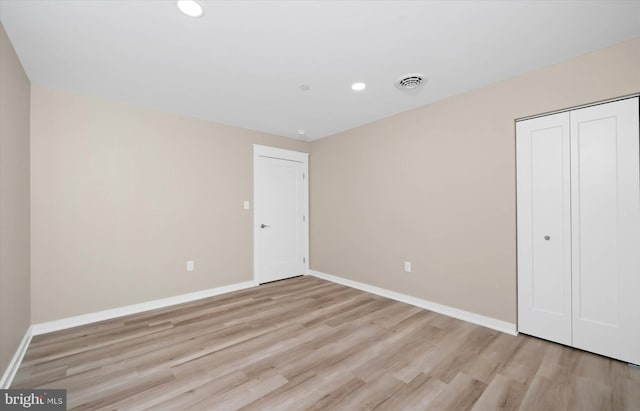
pixel 304 176
pixel 304 218
pixel 304 260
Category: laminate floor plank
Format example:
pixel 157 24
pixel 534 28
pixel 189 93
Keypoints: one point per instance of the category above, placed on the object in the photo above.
pixel 501 394
pixel 372 395
pixel 331 399
pixel 162 393
pixel 212 389
pixel 460 394
pixel 415 395
pixel 309 344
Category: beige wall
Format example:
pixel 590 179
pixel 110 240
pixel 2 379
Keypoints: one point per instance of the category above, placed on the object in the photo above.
pixel 436 186
pixel 124 196
pixel 14 202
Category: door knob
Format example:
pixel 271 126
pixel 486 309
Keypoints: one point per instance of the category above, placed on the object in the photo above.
pixel 263 226
pixel 546 237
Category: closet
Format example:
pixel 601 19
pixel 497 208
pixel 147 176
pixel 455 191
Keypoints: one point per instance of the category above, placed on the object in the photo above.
pixel 578 225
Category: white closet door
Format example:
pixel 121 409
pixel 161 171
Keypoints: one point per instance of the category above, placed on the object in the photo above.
pixel 606 229
pixel 544 227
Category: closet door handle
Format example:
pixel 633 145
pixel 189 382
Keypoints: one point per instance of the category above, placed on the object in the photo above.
pixel 546 237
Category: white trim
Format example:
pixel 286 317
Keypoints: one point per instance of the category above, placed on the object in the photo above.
pixel 274 152
pixel 12 368
pixel 564 110
pixel 498 325
pixel 83 319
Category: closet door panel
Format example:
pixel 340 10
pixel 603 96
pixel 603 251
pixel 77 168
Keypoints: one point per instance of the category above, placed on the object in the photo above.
pixel 605 190
pixel 544 287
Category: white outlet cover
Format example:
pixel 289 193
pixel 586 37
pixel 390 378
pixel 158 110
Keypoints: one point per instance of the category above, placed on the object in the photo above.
pixel 246 204
pixel 407 266
pixel 190 265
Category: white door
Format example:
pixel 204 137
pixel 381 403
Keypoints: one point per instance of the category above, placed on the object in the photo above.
pixel 544 227
pixel 605 194
pixel 280 213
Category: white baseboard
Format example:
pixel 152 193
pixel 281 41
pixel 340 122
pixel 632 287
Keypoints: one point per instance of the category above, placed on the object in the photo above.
pixel 78 320
pixel 468 316
pixel 12 369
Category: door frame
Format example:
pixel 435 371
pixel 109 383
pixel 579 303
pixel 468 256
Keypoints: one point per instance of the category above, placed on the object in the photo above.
pixel 290 155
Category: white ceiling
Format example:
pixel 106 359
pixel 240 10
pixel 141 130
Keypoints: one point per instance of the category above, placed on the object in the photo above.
pixel 242 63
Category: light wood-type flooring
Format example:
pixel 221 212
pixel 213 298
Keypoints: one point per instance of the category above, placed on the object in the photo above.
pixel 305 343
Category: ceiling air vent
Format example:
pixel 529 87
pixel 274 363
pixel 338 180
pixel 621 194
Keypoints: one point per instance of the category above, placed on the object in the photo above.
pixel 410 82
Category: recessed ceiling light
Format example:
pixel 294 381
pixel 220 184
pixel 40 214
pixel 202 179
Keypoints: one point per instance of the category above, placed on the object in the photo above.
pixel 191 8
pixel 358 86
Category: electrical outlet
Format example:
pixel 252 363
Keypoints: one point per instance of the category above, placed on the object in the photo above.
pixel 190 265
pixel 407 266
pixel 245 205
